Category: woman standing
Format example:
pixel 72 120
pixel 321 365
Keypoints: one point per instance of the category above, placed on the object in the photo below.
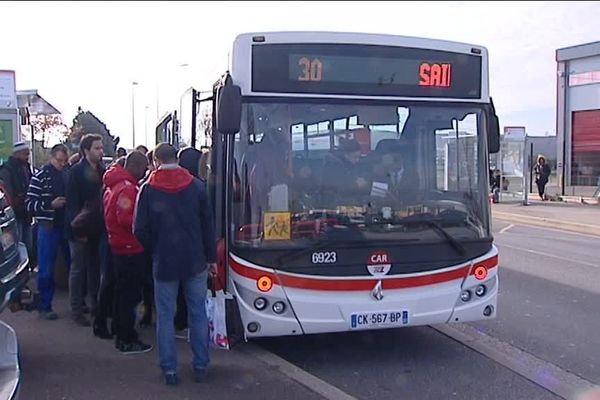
pixel 542 174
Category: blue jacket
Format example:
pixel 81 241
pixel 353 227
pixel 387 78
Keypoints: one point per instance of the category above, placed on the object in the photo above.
pixel 45 186
pixel 174 223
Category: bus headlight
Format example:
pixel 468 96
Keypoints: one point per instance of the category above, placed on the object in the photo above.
pixel 260 303
pixel 480 291
pixel 279 307
pixel 465 295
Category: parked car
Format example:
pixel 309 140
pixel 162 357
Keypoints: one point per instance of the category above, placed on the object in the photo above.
pixel 15 272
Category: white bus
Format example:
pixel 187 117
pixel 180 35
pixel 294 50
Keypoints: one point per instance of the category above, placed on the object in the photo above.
pixel 349 176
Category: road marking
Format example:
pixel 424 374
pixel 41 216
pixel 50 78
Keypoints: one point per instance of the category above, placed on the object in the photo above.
pixel 539 253
pixel 540 372
pixel 560 225
pixel 562 231
pixel 506 228
pixel 306 379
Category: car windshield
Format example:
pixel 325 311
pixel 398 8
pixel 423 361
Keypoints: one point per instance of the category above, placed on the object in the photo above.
pixel 358 171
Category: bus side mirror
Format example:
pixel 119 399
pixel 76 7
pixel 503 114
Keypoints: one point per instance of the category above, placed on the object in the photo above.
pixel 493 134
pixel 229 108
pixel 493 130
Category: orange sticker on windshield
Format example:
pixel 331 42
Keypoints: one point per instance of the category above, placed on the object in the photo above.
pixel 278 225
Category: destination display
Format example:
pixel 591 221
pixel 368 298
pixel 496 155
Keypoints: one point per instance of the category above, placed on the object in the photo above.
pixel 365 70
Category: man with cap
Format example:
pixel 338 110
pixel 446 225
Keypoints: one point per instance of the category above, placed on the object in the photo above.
pixel 15 175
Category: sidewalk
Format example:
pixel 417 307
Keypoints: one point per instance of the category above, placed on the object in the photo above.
pixel 60 360
pixel 574 217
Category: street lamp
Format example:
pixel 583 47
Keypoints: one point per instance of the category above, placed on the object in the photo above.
pixel 146 123
pixel 133 85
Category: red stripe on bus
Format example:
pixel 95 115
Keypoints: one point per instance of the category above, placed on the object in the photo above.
pixel 357 284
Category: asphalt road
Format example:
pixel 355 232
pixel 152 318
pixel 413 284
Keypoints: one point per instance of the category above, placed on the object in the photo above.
pixel 549 297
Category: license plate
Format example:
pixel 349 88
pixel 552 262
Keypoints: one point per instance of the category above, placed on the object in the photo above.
pixel 7 240
pixel 381 319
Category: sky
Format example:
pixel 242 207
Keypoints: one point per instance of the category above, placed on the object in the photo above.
pixel 88 53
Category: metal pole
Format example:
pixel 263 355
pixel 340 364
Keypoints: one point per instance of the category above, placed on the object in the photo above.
pixel 133 85
pixel 157 100
pixel 146 124
pixel 531 168
pixel 525 173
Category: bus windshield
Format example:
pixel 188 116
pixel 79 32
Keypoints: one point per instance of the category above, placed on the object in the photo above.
pixel 358 170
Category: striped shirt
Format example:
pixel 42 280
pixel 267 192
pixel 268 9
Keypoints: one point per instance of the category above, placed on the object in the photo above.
pixel 46 185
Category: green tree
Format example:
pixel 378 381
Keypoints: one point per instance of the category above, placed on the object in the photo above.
pixel 86 122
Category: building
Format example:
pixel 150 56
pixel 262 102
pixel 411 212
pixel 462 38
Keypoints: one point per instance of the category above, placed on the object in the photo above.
pixel 9 114
pixel 578 118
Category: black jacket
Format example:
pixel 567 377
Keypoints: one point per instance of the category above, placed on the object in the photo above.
pixel 15 176
pixel 542 173
pixel 84 189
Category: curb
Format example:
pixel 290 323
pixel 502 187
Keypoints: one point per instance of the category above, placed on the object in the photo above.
pixel 304 378
pixel 551 377
pixel 547 223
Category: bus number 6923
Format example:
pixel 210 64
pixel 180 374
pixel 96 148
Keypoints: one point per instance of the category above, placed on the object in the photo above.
pixel 324 257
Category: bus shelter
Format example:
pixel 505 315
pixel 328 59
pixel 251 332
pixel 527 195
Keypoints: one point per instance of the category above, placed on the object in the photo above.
pixel 512 163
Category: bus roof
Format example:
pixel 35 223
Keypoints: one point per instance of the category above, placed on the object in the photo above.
pixel 359 38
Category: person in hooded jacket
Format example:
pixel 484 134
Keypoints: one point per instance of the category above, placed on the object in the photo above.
pixel 128 254
pixel 189 158
pixel 174 222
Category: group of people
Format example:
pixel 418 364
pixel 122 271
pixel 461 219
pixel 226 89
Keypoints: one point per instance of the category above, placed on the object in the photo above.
pixel 141 228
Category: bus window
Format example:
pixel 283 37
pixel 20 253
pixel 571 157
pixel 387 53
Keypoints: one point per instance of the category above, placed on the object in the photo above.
pixel 204 125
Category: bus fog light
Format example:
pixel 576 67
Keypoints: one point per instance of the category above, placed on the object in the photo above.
pixel 279 307
pixel 465 295
pixel 253 327
pixel 480 291
pixel 488 310
pixel 260 303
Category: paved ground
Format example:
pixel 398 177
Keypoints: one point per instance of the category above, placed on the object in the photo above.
pixel 61 361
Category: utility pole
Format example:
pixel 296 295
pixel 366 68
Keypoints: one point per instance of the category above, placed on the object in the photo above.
pixel 133 85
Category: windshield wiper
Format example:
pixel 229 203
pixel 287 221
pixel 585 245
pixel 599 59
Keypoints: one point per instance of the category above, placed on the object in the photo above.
pixel 441 231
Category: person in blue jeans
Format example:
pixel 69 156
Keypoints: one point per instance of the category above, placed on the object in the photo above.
pixel 46 202
pixel 174 223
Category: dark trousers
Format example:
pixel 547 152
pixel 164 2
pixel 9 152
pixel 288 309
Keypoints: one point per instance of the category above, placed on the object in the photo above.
pixel 181 315
pixel 84 275
pixel 148 291
pixel 541 185
pixel 129 272
pixel 106 298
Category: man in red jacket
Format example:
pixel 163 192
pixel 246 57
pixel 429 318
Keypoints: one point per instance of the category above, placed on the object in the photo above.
pixel 128 254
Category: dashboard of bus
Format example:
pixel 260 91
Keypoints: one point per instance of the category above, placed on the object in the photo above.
pixel 387 173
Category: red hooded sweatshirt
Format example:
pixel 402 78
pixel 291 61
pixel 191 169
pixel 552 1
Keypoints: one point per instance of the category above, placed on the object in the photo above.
pixel 119 205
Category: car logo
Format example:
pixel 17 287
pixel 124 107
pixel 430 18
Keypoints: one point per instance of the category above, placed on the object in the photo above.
pixel 379 263
pixel 377 291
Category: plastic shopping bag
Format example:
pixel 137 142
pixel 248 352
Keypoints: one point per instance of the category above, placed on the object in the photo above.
pixel 217 318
